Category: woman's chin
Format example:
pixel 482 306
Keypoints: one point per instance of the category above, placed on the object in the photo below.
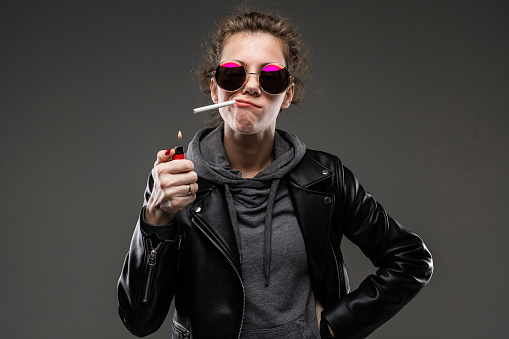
pixel 244 125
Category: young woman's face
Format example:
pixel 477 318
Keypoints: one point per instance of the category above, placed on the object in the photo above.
pixel 255 111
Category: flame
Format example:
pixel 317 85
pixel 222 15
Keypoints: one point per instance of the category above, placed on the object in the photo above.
pixel 180 135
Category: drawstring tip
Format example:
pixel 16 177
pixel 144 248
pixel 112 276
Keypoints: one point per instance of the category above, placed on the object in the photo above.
pixel 267 280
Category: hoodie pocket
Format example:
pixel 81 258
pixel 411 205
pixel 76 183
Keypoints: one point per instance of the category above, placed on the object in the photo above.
pixel 180 331
pixel 297 329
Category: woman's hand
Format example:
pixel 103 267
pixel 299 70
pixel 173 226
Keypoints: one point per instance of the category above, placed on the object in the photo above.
pixel 174 188
pixel 319 309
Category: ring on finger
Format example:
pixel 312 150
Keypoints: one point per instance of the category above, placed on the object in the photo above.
pixel 189 191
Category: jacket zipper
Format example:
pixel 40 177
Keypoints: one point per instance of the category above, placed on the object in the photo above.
pixel 180 241
pixel 182 331
pixel 340 272
pixel 151 262
pixel 234 268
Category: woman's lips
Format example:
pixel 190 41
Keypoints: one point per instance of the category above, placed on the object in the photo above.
pixel 245 103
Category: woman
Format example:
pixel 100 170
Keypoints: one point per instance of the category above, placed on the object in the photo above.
pixel 245 233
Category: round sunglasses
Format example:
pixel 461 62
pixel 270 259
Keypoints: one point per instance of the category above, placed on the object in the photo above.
pixel 273 78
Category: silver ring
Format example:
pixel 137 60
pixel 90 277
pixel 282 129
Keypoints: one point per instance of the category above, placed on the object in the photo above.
pixel 189 192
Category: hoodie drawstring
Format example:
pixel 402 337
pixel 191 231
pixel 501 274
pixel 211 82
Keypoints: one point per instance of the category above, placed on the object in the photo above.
pixel 267 233
pixel 233 217
pixel 267 253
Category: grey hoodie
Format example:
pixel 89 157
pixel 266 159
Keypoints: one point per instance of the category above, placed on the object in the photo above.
pixel 279 299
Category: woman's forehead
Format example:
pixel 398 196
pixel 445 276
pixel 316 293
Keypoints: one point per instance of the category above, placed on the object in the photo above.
pixel 253 47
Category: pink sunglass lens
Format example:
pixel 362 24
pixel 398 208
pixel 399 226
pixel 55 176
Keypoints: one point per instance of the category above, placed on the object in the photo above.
pixel 230 64
pixel 272 68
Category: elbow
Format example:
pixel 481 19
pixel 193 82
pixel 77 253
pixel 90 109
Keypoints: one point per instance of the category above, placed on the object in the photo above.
pixel 427 264
pixel 423 265
pixel 136 329
pixel 424 270
pixel 429 270
pixel 139 331
pixel 140 334
pixel 418 268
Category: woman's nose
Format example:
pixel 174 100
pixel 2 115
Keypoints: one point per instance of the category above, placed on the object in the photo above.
pixel 252 86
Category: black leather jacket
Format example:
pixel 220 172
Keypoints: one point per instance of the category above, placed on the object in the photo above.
pixel 196 259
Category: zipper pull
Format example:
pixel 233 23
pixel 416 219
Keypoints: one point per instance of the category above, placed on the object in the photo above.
pixel 152 258
pixel 153 254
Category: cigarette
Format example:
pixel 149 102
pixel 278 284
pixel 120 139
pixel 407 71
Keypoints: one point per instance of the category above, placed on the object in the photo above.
pixel 209 107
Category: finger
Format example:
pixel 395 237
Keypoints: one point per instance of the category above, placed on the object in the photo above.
pixel 167 181
pixel 176 166
pixel 164 156
pixel 189 189
pixel 176 192
pixel 184 190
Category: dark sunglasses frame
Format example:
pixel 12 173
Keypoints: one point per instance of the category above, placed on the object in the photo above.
pixel 261 77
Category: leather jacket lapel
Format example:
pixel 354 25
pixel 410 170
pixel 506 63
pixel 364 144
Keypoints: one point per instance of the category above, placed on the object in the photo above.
pixel 210 211
pixel 314 210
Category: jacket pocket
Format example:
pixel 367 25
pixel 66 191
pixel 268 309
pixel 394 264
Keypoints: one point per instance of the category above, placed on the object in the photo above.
pixel 180 331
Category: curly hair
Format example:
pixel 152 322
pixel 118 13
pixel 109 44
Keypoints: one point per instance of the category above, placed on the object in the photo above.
pixel 294 48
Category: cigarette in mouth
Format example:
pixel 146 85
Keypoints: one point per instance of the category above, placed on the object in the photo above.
pixel 209 107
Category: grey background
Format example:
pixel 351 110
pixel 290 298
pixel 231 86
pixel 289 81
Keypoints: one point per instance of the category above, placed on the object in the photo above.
pixel 412 95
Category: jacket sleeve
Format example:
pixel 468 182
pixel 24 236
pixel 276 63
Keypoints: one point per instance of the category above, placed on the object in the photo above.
pixel 403 261
pixel 147 282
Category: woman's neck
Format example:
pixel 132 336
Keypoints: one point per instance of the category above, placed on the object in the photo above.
pixel 249 154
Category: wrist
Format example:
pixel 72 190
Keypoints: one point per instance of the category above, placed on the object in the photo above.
pixel 156 216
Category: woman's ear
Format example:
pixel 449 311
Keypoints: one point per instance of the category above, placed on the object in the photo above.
pixel 213 90
pixel 288 97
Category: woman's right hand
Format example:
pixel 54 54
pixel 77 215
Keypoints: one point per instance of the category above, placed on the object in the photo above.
pixel 174 188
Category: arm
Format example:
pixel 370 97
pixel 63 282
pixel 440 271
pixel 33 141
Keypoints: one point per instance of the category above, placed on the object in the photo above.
pixel 147 283
pixel 144 302
pixel 403 261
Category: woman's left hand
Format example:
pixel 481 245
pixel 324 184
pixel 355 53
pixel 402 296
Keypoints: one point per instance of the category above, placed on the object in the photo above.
pixel 319 309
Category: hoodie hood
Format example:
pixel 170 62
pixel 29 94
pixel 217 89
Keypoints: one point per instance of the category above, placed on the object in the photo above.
pixel 207 152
